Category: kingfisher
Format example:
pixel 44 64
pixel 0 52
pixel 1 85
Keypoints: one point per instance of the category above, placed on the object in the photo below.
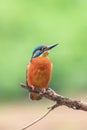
pixel 39 70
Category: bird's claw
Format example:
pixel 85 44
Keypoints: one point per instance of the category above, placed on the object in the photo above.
pixel 44 90
pixel 32 87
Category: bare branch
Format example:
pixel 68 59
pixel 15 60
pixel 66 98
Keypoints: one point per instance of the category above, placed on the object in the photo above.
pixel 60 100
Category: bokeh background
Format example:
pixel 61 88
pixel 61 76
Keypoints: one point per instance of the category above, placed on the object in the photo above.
pixel 25 24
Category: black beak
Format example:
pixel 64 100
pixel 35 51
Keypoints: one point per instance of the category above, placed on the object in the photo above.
pixel 50 47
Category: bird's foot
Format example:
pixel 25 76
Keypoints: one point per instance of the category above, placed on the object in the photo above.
pixel 32 87
pixel 44 90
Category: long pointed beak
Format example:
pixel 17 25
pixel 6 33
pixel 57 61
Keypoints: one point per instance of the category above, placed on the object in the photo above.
pixel 50 47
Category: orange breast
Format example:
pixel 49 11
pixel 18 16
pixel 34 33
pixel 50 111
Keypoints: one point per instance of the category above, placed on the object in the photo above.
pixel 39 72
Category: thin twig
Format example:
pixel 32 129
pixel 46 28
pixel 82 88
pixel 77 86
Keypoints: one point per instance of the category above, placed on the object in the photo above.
pixel 60 100
pixel 40 118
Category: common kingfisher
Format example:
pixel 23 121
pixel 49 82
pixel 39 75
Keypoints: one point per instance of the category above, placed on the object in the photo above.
pixel 39 70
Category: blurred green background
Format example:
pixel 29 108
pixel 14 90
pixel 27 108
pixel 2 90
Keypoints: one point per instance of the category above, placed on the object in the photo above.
pixel 25 24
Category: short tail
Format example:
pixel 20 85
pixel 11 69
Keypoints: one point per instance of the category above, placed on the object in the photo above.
pixel 34 96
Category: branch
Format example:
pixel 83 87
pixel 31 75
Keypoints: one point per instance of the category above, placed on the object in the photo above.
pixel 60 100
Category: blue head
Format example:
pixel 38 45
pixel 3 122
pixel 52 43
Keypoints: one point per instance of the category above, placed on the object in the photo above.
pixel 41 49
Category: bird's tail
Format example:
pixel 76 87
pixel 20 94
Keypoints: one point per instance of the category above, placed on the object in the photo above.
pixel 34 96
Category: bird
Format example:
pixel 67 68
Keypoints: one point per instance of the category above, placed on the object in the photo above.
pixel 39 70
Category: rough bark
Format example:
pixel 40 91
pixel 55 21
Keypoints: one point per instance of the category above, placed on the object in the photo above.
pixel 59 100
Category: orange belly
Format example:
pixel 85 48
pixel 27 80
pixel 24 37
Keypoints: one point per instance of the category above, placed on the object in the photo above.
pixel 39 72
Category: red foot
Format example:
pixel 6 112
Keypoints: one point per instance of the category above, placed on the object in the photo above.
pixel 32 87
pixel 44 90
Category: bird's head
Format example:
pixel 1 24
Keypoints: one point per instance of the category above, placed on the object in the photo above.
pixel 42 50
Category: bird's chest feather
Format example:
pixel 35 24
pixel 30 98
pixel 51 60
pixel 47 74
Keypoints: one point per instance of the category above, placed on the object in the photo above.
pixel 39 71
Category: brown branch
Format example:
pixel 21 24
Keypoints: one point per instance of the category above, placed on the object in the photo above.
pixel 60 100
